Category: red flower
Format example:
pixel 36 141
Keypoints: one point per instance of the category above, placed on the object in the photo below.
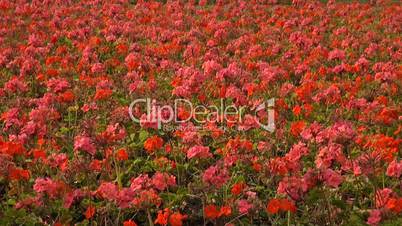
pixel 225 211
pixel 176 219
pixel 238 188
pixel 89 213
pixel 211 212
pixel 297 110
pixel 95 165
pixel 103 94
pixel 394 204
pixel 297 127
pixel 287 205
pixel 12 148
pixel 129 223
pixel 67 96
pixel 18 174
pixel 39 154
pixel 121 155
pixel 153 143
pixel 273 206
pixel 162 217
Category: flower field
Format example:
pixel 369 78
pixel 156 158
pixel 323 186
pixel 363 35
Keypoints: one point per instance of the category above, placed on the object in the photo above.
pixel 200 112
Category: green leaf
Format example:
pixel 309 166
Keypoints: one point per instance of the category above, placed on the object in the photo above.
pixel 143 135
pixel 11 202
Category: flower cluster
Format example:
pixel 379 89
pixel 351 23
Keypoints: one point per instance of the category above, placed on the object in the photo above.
pixel 71 155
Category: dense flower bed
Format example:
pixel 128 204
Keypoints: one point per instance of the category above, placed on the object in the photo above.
pixel 71 154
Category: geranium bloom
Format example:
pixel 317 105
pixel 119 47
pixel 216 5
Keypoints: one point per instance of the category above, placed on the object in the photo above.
pixel 18 174
pixel 48 186
pixel 238 188
pixel 287 205
pixel 102 94
pixel 199 152
pixel 71 151
pixel 163 180
pixel 332 178
pixel 243 206
pixel 273 206
pixel 176 219
pixel 129 223
pixel 108 191
pixel 215 176
pixel 84 143
pixel 336 54
pixel 89 213
pixel 374 218
pixel 211 211
pixel 121 155
pixel 297 127
pixel 162 217
pixel 382 196
pixel 394 169
pixel 153 143
pixel 395 205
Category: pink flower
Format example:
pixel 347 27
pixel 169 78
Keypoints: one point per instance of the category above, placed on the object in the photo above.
pixel 311 132
pixel 97 68
pixel 199 152
pixel 215 176
pixel 382 196
pixel 327 154
pixel 71 196
pixel 58 160
pixel 163 180
pixel 210 67
pixel 48 186
pixel 88 107
pixel 15 85
pixel 125 197
pixel 251 194
pixel 341 132
pixel 11 117
pixel 332 178
pixel 336 54
pixel 374 218
pixel 271 74
pixel 248 123
pixel 264 146
pixel 41 184
pixel 108 191
pixel 140 182
pixel 85 144
pixel 243 206
pixel 236 94
pixel 58 84
pixel 292 186
pixel 394 169
pixel 297 151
